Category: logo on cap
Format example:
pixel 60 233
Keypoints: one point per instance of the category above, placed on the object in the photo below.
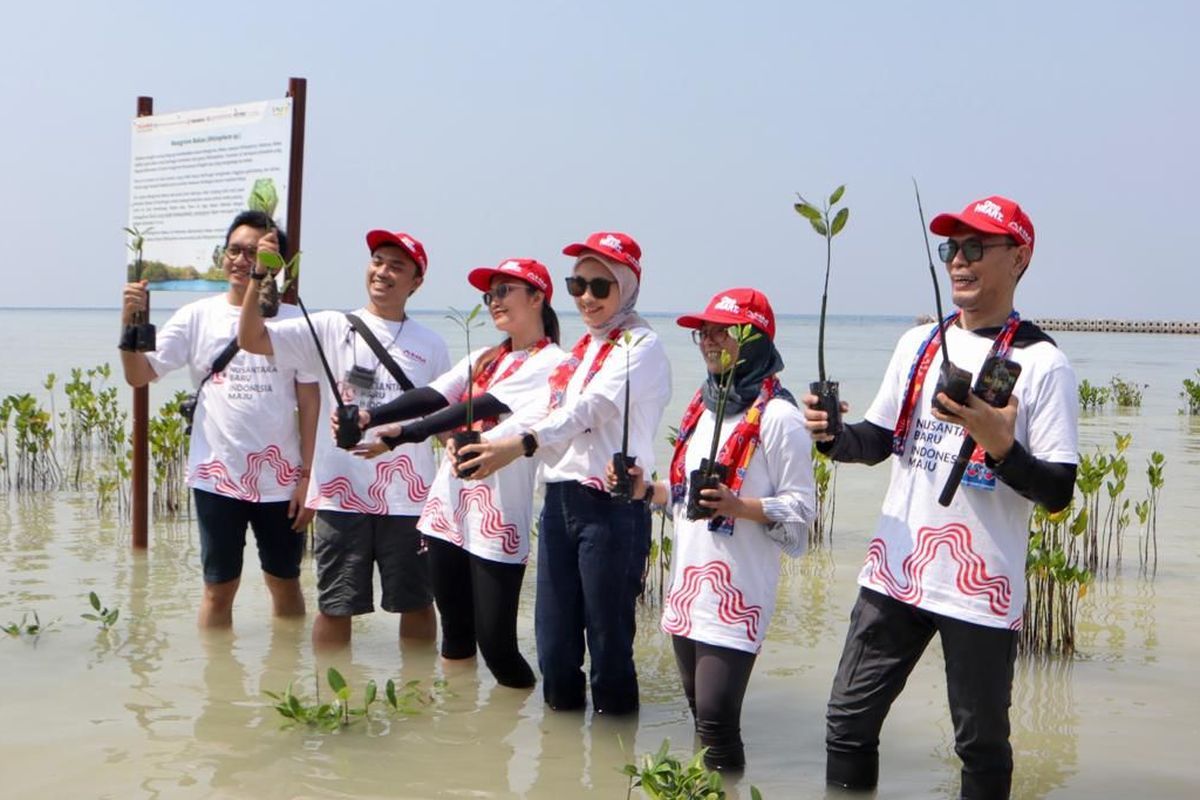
pixel 611 241
pixel 510 266
pixel 727 303
pixel 759 317
pixel 990 209
pixel 1019 229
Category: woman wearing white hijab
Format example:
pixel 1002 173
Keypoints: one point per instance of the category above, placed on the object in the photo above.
pixel 592 547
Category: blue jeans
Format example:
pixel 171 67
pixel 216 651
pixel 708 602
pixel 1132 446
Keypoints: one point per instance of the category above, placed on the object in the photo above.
pixel 591 554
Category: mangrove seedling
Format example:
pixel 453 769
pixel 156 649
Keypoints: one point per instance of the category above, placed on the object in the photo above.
pixel 622 461
pixel 711 472
pixel 952 379
pixel 662 776
pixel 825 483
pixel 1191 394
pixel 282 275
pixel 468 435
pixel 25 628
pixel 1154 475
pixel 1127 394
pixel 139 334
pixel 1091 398
pixel 826 390
pixel 105 617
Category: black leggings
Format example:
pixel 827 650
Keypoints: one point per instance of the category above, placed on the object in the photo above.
pixel 715 680
pixel 477 602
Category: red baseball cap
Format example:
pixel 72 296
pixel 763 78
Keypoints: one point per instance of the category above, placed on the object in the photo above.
pixel 619 247
pixel 995 215
pixel 415 250
pixel 735 307
pixel 532 272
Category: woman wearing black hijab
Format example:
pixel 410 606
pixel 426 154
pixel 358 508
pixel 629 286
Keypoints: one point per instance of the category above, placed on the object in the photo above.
pixel 725 567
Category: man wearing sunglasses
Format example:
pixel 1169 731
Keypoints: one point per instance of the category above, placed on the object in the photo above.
pixel 956 570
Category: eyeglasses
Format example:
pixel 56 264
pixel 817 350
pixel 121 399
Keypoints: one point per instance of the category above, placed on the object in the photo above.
pixel 972 249
pixel 600 287
pixel 503 290
pixel 715 335
pixel 235 251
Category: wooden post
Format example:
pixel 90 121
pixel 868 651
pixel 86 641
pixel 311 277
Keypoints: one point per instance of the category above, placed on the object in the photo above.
pixel 298 91
pixel 140 506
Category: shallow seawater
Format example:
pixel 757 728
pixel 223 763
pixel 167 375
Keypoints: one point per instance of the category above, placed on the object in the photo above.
pixel 157 709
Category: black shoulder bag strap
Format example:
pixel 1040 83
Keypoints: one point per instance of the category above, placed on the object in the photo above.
pixel 221 362
pixel 384 357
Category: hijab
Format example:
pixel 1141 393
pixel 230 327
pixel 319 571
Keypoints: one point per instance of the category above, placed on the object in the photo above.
pixel 627 289
pixel 757 361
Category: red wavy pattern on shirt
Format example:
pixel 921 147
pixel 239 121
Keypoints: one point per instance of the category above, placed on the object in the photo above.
pixel 434 517
pixel 971 580
pixel 342 491
pixel 246 487
pixel 731 610
pixel 493 525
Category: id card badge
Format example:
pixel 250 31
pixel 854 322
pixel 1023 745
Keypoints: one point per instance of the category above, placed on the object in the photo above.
pixel 979 476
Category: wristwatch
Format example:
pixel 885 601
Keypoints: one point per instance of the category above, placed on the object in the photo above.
pixel 530 443
pixel 648 497
pixel 259 276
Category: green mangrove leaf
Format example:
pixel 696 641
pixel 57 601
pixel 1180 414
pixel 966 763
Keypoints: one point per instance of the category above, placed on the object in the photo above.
pixel 336 681
pixel 818 226
pixel 263 197
pixel 837 194
pixel 271 260
pixel 94 599
pixel 839 222
pixel 807 211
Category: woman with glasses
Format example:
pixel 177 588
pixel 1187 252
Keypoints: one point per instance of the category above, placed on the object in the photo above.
pixel 726 560
pixel 591 545
pixel 478 530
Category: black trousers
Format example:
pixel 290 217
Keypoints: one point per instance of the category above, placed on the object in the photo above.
pixel 477 601
pixel 714 680
pixel 885 640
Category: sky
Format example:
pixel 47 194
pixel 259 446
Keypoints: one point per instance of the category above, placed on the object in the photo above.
pixel 509 129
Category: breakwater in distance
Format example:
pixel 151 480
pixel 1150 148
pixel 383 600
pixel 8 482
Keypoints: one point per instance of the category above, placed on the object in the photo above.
pixel 1108 325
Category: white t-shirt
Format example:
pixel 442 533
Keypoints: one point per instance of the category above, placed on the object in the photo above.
pixel 245 438
pixel 577 440
pixel 395 484
pixel 723 586
pixel 965 561
pixel 492 518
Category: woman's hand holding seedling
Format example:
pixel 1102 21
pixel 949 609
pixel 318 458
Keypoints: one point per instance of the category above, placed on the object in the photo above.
pixel 135 299
pixel 637 480
pixel 487 457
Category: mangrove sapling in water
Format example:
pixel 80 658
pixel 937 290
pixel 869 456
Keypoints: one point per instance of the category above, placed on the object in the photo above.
pixel 1149 516
pixel 103 616
pixel 24 628
pixel 468 435
pixel 1092 398
pixel 662 776
pixel 1117 517
pixel 1056 582
pixel 712 473
pixel 168 440
pixel 825 390
pixel 1127 393
pixel 405 700
pixel 1191 395
pixel 622 461
pixel 37 467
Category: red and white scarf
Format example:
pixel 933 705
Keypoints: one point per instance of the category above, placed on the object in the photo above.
pixel 735 454
pixel 566 370
pixel 487 377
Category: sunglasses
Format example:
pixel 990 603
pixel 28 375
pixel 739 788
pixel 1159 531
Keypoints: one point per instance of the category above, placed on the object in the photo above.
pixel 600 287
pixel 972 249
pixel 503 290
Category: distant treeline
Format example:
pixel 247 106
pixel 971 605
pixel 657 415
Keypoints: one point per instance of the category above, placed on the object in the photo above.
pixel 158 271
